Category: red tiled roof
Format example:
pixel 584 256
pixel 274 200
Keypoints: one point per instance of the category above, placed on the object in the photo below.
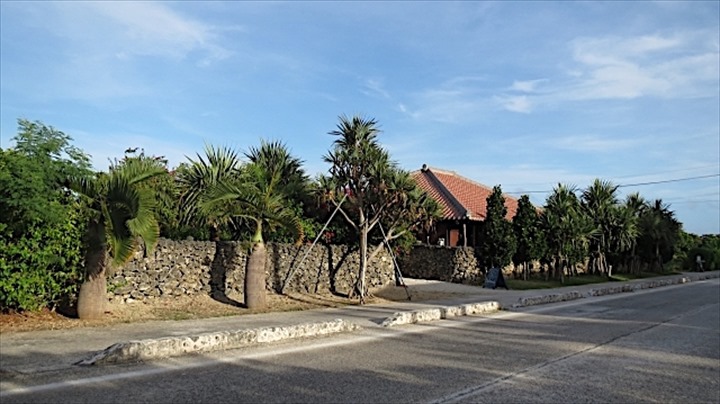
pixel 459 197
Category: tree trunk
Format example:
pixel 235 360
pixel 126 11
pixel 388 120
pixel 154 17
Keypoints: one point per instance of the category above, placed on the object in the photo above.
pixel 92 297
pixel 363 261
pixel 254 288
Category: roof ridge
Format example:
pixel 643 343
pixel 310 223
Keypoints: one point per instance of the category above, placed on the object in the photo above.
pixel 462 209
pixel 480 184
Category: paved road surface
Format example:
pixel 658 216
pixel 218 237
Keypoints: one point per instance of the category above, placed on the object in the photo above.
pixel 659 345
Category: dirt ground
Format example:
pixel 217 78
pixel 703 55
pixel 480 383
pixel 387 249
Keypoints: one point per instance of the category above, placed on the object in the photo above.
pixel 185 308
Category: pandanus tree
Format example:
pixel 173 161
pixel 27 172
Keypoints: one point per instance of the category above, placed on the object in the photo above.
pixel 256 198
pixel 600 203
pixel 567 227
pixel 633 209
pixel 660 231
pixel 409 209
pixel 363 182
pixel 122 215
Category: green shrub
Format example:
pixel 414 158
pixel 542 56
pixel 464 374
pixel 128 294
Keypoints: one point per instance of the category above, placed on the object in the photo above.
pixel 710 257
pixel 41 268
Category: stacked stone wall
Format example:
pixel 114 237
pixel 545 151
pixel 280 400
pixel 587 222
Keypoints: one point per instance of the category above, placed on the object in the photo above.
pixel 177 268
pixel 448 264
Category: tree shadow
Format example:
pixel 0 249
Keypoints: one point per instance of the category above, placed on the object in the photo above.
pixel 334 268
pixel 222 261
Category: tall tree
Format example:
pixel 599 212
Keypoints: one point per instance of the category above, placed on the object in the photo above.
pixel 122 213
pixel 659 233
pixel 41 224
pixel 258 199
pixel 601 204
pixel 526 227
pixel 498 242
pixel 634 207
pixel 567 227
pixel 362 170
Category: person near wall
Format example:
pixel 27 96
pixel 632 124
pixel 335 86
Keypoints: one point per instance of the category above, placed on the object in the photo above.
pixel 699 263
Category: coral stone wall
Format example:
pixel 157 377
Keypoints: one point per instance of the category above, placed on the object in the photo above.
pixel 177 268
pixel 449 264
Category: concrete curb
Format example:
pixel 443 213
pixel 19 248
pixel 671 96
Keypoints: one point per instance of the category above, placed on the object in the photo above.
pixel 148 349
pixel 134 351
pixel 438 313
pixel 610 290
pixel 545 299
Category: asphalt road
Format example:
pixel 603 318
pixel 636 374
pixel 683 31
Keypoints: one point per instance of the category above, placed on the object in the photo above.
pixel 660 345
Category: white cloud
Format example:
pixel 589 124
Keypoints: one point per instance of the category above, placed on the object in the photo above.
pixel 517 103
pixel 374 87
pixel 592 143
pixel 144 28
pixel 458 100
pixel 682 65
pixel 527 86
pixel 99 48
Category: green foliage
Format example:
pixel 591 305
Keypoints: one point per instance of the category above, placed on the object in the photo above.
pixel 710 257
pixel 122 208
pixel 600 204
pixel 567 227
pixel 659 234
pixel 526 227
pixel 41 268
pixel 195 179
pixel 257 196
pixel 164 189
pixel 370 189
pixel 41 225
pixel 498 243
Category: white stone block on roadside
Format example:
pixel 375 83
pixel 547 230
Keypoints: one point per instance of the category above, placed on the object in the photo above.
pixel 166 347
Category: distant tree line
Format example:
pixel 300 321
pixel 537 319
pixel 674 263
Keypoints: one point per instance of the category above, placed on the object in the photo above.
pixel 592 228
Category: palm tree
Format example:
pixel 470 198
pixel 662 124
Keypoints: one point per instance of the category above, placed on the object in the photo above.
pixel 256 198
pixel 660 230
pixel 600 203
pixel 626 231
pixel 568 228
pixel 202 174
pixel 121 212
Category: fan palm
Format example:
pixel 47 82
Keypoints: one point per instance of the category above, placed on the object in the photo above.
pixel 218 164
pixel 121 213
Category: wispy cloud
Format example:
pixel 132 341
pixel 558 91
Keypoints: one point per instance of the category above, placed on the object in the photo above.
pixel 99 49
pixel 592 143
pixel 515 103
pixel 457 100
pixel 150 29
pixel 374 87
pixel 681 65
pixel 526 86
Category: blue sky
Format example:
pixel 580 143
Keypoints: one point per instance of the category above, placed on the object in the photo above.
pixel 522 94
